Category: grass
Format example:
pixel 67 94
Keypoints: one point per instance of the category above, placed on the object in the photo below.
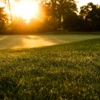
pixel 71 33
pixel 62 72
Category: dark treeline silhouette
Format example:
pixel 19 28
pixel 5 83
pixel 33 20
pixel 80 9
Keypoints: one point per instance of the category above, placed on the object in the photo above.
pixel 3 21
pixel 54 15
pixel 90 14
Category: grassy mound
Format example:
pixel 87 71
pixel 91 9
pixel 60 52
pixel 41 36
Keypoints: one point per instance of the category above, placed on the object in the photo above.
pixel 69 71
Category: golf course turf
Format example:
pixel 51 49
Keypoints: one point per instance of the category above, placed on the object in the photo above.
pixel 33 41
pixel 62 72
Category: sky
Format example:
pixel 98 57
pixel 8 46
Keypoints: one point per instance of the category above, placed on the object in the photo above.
pixel 84 2
pixel 79 3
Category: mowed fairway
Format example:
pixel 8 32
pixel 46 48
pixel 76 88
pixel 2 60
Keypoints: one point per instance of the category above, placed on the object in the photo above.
pixel 68 71
pixel 31 41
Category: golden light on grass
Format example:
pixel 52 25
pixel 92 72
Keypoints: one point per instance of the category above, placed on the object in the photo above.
pixel 32 41
pixel 26 10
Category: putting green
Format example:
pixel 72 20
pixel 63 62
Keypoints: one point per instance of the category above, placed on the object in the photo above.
pixel 31 41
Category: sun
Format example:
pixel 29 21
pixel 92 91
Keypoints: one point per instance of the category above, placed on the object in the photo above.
pixel 26 10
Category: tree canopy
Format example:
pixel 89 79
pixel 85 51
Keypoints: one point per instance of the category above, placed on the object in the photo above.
pixel 55 14
pixel 3 20
pixel 91 15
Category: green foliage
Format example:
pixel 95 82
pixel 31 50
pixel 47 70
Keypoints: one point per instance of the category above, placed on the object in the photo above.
pixel 3 21
pixel 91 15
pixel 68 71
pixel 54 15
pixel 72 22
pixel 55 10
pixel 18 26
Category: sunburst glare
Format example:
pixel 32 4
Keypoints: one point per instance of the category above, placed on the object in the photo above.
pixel 26 10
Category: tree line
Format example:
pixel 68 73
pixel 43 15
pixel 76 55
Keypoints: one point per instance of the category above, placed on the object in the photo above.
pixel 55 15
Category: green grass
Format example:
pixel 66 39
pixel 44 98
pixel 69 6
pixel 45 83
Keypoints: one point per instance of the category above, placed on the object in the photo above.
pixel 63 72
pixel 70 33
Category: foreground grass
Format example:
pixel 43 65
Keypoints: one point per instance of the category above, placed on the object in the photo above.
pixel 63 72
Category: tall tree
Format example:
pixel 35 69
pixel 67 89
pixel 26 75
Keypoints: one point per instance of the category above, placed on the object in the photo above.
pixel 3 20
pixel 57 10
pixel 64 8
pixel 91 15
pixel 72 22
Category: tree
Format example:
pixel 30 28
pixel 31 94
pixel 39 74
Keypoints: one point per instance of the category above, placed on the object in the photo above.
pixel 57 10
pixel 72 22
pixel 64 8
pixel 3 21
pixel 91 15
pixel 50 14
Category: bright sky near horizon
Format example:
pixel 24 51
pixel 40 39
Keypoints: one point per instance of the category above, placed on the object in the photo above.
pixel 28 9
pixel 84 2
pixel 79 2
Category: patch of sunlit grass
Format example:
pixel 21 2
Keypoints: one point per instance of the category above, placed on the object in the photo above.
pixel 68 71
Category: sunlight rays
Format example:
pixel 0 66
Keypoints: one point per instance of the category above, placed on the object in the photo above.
pixel 32 41
pixel 26 10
